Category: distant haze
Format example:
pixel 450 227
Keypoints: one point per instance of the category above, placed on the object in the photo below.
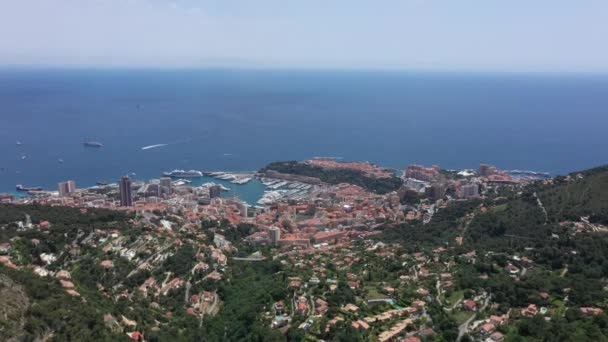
pixel 514 35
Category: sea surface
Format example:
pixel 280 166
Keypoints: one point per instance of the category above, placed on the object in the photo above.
pixel 242 119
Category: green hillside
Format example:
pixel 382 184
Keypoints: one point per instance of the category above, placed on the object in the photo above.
pixel 581 194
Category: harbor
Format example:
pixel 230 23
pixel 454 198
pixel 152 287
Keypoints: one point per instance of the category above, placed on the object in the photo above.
pixel 246 185
pixel 280 189
pixel 276 189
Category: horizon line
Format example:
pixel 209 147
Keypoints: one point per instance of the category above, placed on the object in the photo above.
pixel 272 67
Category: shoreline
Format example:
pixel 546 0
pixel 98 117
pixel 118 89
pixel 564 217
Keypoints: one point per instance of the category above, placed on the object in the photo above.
pixel 254 173
pixel 249 192
pixel 253 190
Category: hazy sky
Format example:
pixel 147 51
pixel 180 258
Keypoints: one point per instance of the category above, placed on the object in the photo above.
pixel 512 35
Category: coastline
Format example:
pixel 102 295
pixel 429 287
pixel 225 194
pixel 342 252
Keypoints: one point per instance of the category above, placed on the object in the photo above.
pixel 253 190
pixel 249 192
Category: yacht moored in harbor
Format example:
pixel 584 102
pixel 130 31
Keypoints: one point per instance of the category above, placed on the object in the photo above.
pixel 184 174
pixel 240 181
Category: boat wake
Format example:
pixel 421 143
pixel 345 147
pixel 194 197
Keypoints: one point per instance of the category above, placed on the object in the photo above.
pixel 167 144
pixel 153 146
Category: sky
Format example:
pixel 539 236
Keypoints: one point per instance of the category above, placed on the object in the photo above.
pixel 502 35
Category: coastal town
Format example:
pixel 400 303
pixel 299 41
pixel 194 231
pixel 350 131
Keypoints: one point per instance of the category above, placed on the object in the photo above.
pixel 338 271
pixel 303 171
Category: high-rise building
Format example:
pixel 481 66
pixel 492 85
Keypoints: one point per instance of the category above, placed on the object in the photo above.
pixel 215 191
pixel 243 209
pixel 153 190
pixel 66 188
pixel 483 169
pixel 486 170
pixel 422 173
pixel 274 233
pixel 435 191
pixel 125 192
pixel 165 184
pixel 469 190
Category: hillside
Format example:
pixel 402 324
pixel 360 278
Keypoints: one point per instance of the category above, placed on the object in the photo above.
pixel 581 194
pixel 544 211
pixel 46 309
pixel 14 303
pixel 521 255
pixel 76 274
pixel 37 308
pixel 72 275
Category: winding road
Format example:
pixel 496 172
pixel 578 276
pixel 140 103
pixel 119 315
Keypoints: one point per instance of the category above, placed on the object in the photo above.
pixel 464 327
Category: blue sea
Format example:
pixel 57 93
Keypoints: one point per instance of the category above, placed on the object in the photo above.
pixel 240 119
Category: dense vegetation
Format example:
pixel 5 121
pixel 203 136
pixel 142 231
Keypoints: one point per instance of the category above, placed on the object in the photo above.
pixel 67 225
pixel 336 176
pixel 246 290
pixel 573 198
pixel 445 226
pixel 253 288
pixel 58 215
pixel 573 267
pixel 54 313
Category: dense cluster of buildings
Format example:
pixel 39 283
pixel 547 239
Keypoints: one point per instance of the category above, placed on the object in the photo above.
pixel 422 173
pixel 312 236
pixel 327 215
pixel 366 168
pixel 330 215
pixel 437 185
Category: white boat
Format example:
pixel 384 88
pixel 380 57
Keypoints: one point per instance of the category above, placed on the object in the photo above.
pixel 184 174
pixel 241 180
pixel 210 184
pixel 226 176
pixel 278 185
pixel 269 182
pixel 95 144
pixel 271 196
pixel 181 182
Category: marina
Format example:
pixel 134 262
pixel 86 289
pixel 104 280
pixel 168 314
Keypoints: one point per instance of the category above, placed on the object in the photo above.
pixel 272 196
pixel 246 185
pixel 276 189
pixel 233 184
